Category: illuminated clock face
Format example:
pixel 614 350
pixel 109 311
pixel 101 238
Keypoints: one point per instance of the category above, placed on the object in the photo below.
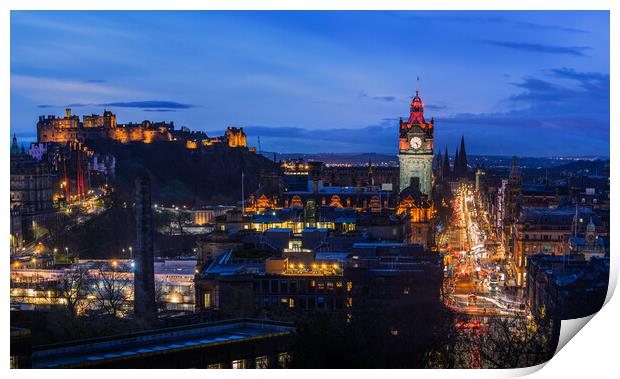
pixel 416 142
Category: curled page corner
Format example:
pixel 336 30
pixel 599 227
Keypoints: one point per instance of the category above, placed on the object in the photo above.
pixel 524 371
pixel 569 329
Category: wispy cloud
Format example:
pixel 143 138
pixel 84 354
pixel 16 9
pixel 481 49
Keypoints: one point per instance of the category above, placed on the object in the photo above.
pixel 384 98
pixel 575 120
pixel 540 48
pixel 35 84
pixel 435 107
pixel 364 95
pixel 569 73
pixel 148 105
pixel 493 20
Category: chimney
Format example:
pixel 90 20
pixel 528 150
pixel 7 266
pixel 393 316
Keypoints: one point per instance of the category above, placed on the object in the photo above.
pixel 315 175
pixel 144 277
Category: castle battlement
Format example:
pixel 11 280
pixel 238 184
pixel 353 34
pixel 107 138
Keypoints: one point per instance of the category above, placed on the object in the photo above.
pixel 105 127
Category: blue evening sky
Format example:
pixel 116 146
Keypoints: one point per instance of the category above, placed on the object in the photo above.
pixel 524 83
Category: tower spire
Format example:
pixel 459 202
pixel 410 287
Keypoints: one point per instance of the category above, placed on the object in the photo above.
pixel 463 157
pixel 417 85
pixel 446 164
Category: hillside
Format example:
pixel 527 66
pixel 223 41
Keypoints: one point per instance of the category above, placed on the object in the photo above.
pixel 186 177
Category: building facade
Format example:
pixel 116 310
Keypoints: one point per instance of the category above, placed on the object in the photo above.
pixel 416 148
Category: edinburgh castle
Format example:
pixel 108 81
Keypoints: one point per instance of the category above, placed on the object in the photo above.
pixel 97 127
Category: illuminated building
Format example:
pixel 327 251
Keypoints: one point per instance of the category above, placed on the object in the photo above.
pixel 35 288
pixel 308 275
pixel 31 195
pixel 302 186
pixel 96 127
pixel 548 231
pixel 511 195
pixel 236 137
pixel 588 245
pixel 207 215
pixel 416 148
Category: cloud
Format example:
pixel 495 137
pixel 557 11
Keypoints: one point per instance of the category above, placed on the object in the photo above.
pixel 380 138
pixel 364 95
pixel 384 98
pixel 95 81
pixel 546 117
pixel 492 20
pixel 44 86
pixel 543 117
pixel 435 107
pixel 540 48
pixel 569 73
pixel 149 104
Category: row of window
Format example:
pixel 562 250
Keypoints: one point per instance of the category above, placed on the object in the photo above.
pixel 262 362
pixel 301 286
pixel 305 302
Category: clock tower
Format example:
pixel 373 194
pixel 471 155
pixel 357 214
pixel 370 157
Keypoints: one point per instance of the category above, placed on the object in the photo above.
pixel 416 148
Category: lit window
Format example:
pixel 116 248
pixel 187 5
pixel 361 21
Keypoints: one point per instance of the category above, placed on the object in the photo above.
pixel 214 366
pixel 284 359
pixel 238 364
pixel 262 362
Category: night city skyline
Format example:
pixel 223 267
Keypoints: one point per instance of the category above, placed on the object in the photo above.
pixel 308 189
pixel 302 79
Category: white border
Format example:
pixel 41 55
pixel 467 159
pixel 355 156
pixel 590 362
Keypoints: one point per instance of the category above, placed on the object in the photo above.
pixel 593 352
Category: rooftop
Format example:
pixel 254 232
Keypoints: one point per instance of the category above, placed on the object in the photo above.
pixel 83 353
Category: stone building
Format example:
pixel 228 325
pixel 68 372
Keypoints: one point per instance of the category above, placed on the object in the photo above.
pixel 548 231
pixel 31 194
pixel 416 146
pixel 96 127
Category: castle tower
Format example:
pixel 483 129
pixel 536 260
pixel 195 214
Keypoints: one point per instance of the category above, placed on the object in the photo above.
pixel 416 148
pixel 144 277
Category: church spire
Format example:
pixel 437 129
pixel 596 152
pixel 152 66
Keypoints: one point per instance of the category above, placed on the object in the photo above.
pixel 417 85
pixel 463 157
pixel 14 147
pixel 416 112
pixel 457 166
pixel 446 164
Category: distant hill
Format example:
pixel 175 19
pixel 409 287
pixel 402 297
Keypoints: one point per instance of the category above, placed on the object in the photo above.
pixel 186 177
pixel 338 158
pixel 473 160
